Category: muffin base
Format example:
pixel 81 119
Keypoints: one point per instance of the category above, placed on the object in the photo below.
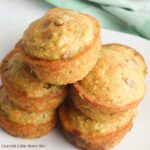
pixel 37 105
pixel 91 108
pixel 33 104
pixel 26 131
pixel 100 143
pixel 88 141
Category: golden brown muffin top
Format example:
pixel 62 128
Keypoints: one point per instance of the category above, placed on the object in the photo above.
pixel 23 80
pixel 83 124
pixel 22 117
pixel 59 34
pixel 118 77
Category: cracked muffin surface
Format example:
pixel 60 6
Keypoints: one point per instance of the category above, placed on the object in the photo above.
pixel 118 77
pixel 59 34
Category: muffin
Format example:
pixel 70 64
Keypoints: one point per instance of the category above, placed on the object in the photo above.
pixel 62 46
pixel 25 89
pixel 88 134
pixel 115 85
pixel 21 123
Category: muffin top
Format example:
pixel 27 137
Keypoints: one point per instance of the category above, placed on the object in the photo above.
pixel 23 80
pixel 117 78
pixel 83 124
pixel 59 34
pixel 22 117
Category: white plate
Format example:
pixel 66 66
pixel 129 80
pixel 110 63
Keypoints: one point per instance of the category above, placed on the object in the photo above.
pixel 137 139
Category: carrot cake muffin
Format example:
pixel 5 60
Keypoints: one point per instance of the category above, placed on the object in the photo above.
pixel 116 84
pixel 62 46
pixel 88 134
pixel 25 89
pixel 22 123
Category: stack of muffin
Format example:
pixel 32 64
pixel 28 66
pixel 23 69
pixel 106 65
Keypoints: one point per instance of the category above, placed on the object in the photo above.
pixel 27 103
pixel 105 101
pixel 61 48
pixel 35 72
